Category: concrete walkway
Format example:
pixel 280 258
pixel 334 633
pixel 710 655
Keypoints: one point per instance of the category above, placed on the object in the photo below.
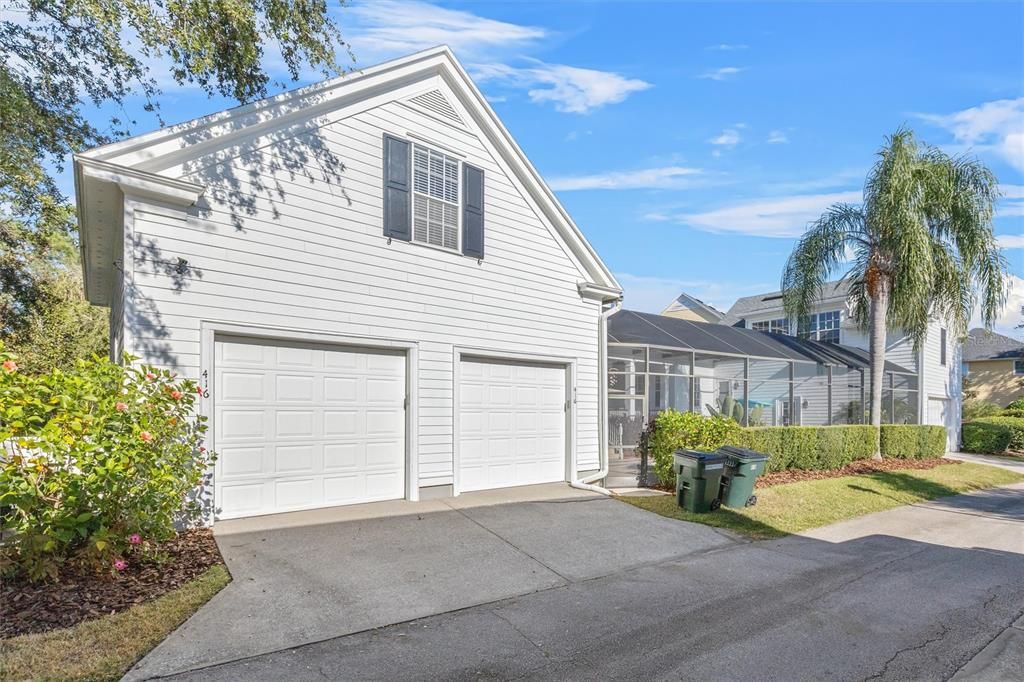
pixel 918 592
pixel 1009 463
pixel 311 576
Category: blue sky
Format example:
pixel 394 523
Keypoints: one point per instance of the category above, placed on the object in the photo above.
pixel 692 142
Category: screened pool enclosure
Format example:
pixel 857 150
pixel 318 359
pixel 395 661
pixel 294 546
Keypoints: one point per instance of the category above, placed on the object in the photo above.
pixel 757 378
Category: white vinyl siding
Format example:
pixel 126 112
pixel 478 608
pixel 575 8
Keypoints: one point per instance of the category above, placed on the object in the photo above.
pixel 435 182
pixel 286 248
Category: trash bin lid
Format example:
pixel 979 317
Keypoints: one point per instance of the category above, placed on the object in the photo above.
pixel 700 455
pixel 743 454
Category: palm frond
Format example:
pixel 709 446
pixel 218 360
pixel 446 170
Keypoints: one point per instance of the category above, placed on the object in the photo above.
pixel 818 254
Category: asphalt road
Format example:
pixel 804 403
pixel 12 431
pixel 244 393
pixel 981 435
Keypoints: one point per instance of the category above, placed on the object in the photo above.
pixel 917 593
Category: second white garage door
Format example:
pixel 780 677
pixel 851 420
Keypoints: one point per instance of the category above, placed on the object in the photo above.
pixel 511 424
pixel 299 426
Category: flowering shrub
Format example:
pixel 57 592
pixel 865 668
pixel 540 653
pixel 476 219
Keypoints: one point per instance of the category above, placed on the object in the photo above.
pixel 98 464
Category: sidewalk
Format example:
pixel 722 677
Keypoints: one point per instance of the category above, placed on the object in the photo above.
pixel 1009 463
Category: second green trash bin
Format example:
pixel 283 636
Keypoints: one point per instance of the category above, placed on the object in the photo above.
pixel 742 467
pixel 698 477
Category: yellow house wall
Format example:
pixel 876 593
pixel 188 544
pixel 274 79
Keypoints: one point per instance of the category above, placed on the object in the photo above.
pixel 994 380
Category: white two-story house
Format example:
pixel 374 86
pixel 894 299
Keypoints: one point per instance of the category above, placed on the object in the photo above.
pixel 937 363
pixel 378 294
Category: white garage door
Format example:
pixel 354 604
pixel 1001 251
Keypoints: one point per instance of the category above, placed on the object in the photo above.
pixel 300 426
pixel 940 412
pixel 511 424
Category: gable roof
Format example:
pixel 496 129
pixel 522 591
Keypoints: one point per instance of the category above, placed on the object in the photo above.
pixel 748 306
pixel 146 164
pixel 686 302
pixel 630 326
pixel 985 345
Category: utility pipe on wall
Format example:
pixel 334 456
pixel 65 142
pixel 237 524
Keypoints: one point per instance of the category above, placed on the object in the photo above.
pixel 602 408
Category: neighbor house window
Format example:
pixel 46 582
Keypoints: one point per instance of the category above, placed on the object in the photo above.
pixel 942 347
pixel 780 326
pixel 1018 367
pixel 435 198
pixel 820 327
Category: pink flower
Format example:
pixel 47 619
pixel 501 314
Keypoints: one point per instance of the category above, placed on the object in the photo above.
pixel 176 395
pixel 135 539
pixel 202 449
pixel 199 390
pixel 10 366
pixel 121 407
pixel 146 436
pixel 120 564
pixel 150 376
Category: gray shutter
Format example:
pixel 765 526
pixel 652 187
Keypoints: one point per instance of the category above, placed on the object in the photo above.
pixel 472 211
pixel 397 189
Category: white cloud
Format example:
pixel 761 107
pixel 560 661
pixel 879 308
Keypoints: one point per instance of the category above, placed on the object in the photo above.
pixel 996 127
pixel 492 51
pixel 667 177
pixel 727 47
pixel 654 294
pixel 1010 241
pixel 777 217
pixel 777 137
pixel 382 29
pixel 1011 314
pixel 1012 191
pixel 730 137
pixel 722 73
pixel 571 89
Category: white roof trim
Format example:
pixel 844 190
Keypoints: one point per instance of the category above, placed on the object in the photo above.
pixel 165 148
pixel 137 182
pixel 596 291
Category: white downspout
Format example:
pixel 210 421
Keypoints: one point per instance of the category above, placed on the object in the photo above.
pixel 602 409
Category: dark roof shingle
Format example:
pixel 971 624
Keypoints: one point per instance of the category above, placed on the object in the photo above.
pixel 985 345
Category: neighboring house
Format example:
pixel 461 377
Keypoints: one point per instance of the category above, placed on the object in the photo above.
pixel 994 366
pixel 936 364
pixel 379 293
pixel 657 362
pixel 686 307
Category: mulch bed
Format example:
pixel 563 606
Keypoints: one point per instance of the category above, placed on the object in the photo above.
pixel 864 466
pixel 27 607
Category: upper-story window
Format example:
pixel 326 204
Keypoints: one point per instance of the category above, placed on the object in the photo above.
pixel 779 326
pixel 822 326
pixel 435 204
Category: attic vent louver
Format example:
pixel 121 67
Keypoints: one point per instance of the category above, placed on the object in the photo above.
pixel 435 101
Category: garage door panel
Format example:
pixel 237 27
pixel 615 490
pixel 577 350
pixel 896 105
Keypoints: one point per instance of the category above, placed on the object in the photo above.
pixel 511 424
pixel 238 424
pixel 302 427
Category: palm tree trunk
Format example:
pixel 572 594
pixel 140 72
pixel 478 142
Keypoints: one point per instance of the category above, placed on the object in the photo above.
pixel 879 313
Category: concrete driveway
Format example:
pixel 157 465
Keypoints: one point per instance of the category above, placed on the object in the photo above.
pixel 311 576
pixel 922 592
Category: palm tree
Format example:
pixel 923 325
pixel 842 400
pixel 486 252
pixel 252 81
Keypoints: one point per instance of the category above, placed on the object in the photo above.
pixel 920 246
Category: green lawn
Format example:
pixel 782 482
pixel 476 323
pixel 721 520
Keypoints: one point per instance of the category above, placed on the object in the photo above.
pixel 795 507
pixel 105 648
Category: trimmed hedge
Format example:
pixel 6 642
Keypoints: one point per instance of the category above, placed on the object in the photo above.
pixel 913 441
pixel 1017 404
pixel 1015 425
pixel 1010 412
pixel 808 447
pixel 984 438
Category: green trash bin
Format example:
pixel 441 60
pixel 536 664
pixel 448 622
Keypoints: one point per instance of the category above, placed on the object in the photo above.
pixel 742 467
pixel 698 477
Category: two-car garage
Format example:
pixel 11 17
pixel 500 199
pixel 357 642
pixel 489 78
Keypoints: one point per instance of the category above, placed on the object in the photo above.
pixel 305 425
